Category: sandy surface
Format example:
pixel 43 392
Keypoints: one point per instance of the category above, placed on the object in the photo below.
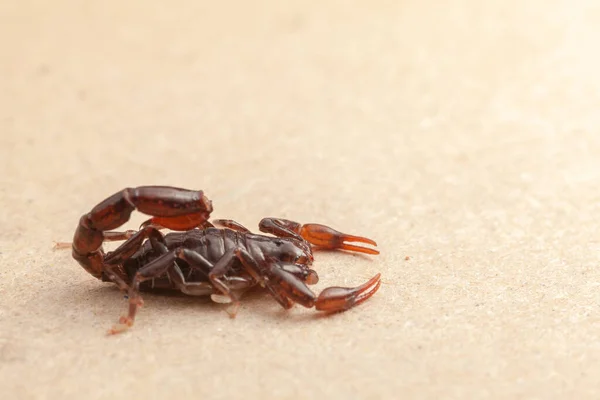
pixel 465 137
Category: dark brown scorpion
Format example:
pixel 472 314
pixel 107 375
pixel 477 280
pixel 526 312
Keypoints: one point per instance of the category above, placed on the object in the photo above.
pixel 199 259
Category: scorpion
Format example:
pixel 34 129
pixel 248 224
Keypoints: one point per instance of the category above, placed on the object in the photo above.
pixel 198 258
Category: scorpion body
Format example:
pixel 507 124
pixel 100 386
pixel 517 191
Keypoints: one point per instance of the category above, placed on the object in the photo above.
pixel 212 244
pixel 200 259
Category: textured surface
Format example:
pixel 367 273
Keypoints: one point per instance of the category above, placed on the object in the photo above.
pixel 464 136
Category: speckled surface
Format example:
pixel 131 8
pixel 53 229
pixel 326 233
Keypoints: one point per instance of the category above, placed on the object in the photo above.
pixel 464 137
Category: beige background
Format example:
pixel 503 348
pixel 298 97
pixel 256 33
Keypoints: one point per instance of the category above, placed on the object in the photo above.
pixel 463 135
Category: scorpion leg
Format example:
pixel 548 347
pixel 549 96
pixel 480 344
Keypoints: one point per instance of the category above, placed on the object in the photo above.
pixel 133 244
pixel 127 249
pixel 331 299
pixel 230 287
pixel 167 263
pixel 109 236
pixel 228 223
pixel 224 265
pixel 316 234
pixel 112 236
pixel 133 241
pixel 217 273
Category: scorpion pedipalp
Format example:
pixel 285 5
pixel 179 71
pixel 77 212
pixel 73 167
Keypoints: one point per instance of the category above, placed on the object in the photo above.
pixel 316 234
pixel 328 238
pixel 335 299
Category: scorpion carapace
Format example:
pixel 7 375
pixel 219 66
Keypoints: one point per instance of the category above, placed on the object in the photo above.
pixel 201 260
